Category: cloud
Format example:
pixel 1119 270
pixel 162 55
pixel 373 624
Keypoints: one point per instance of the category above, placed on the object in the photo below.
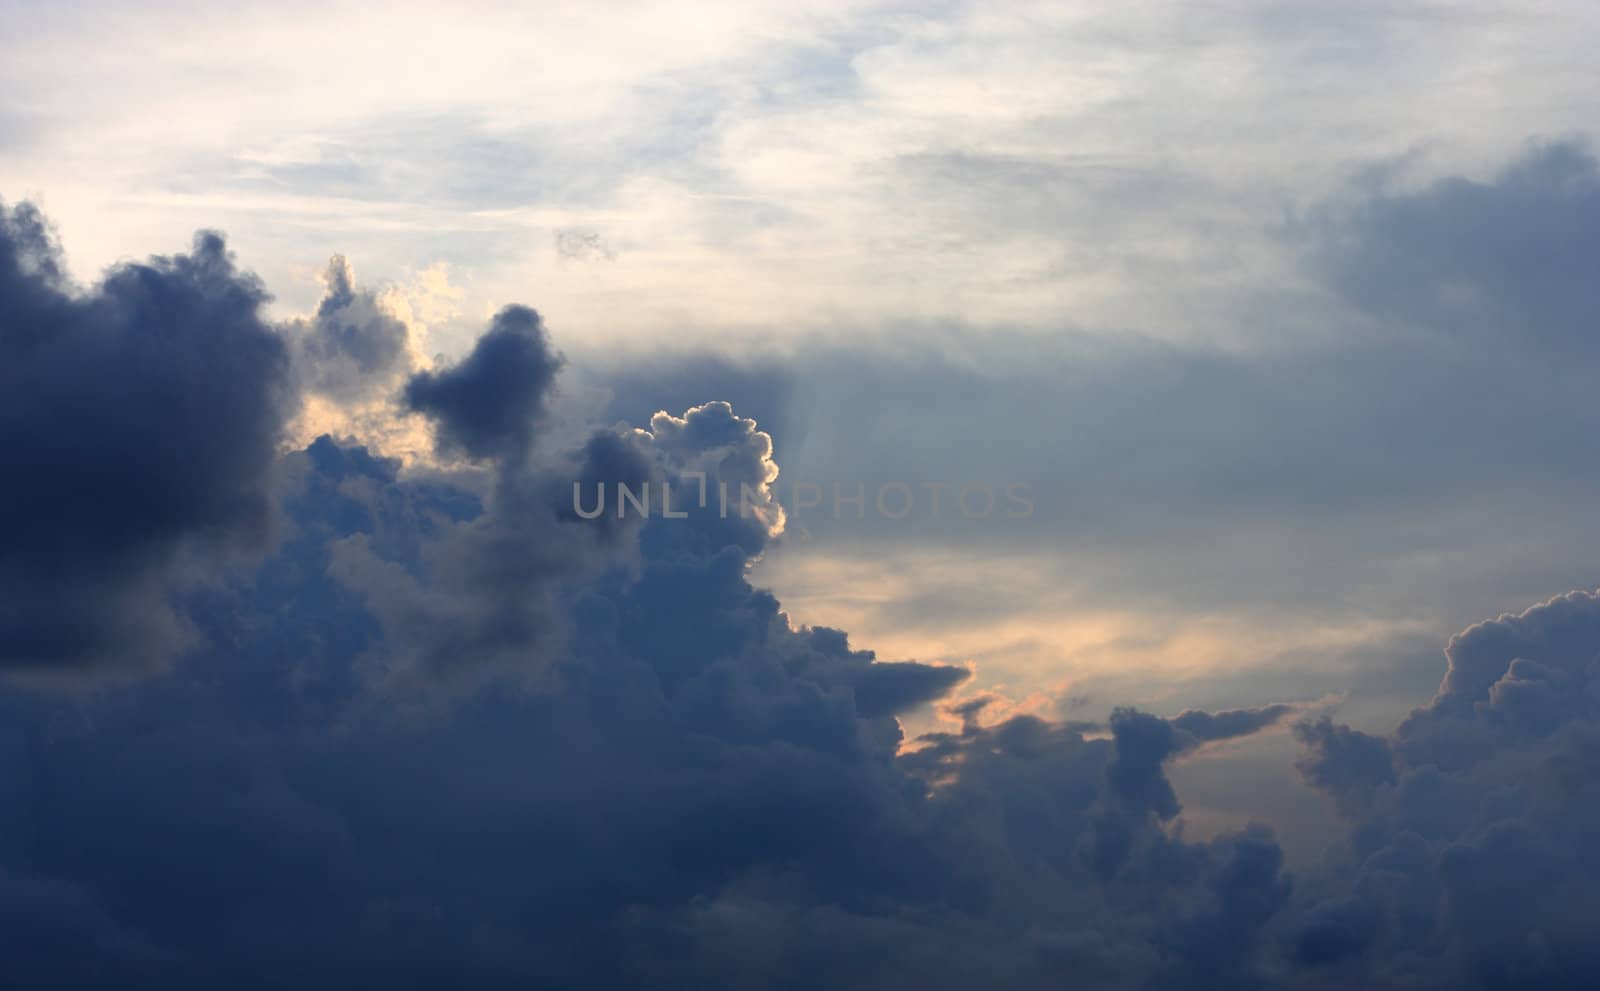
pixel 1508 257
pixel 577 244
pixel 446 730
pixel 489 403
pixel 1466 864
pixel 1345 763
pixel 352 345
pixel 1303 504
pixel 141 420
pixel 1557 634
pixel 723 476
pixel 1208 727
pixel 55 934
pixel 624 741
pixel 886 689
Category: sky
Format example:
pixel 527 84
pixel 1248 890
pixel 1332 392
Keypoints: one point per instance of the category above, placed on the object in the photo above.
pixel 1216 380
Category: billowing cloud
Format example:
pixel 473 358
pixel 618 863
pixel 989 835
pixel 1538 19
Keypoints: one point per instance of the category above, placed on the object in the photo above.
pixel 489 404
pixel 1347 764
pixel 352 345
pixel 368 700
pixel 624 741
pixel 722 474
pixel 1468 863
pixel 452 731
pixel 140 420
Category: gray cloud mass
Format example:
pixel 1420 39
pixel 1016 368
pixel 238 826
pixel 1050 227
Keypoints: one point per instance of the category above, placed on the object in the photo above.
pixel 428 727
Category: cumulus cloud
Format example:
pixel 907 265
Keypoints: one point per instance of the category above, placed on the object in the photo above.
pixel 489 403
pixel 635 769
pixel 1345 763
pixel 352 345
pixel 722 472
pixel 141 419
pixel 627 740
pixel 1468 864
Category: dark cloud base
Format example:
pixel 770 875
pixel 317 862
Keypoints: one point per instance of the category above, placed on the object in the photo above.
pixel 433 730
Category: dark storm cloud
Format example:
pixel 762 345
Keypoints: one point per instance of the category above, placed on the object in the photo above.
pixel 1470 862
pixel 488 404
pixel 1347 764
pixel 625 742
pixel 885 689
pixel 140 420
pixel 490 597
pixel 482 598
pixel 634 769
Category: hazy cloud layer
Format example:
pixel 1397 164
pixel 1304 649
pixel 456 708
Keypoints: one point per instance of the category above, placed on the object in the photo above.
pixel 1409 468
pixel 840 165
